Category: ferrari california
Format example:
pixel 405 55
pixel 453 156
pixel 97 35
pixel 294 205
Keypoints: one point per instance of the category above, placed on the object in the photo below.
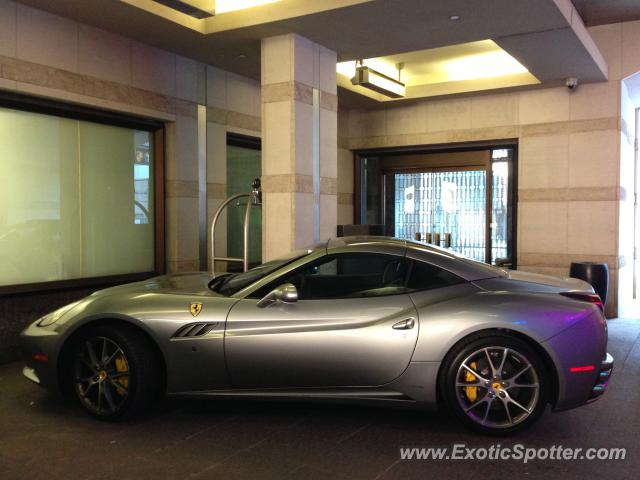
pixel 371 320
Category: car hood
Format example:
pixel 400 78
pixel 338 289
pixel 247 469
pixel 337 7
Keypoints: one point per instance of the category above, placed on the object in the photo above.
pixel 194 283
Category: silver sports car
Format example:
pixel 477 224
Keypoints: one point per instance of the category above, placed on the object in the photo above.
pixel 363 319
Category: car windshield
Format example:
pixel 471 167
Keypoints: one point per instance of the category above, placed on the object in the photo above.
pixel 230 283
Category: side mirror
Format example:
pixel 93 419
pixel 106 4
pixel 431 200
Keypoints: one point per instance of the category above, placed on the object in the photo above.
pixel 286 293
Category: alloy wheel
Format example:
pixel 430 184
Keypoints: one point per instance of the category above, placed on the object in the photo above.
pixel 497 387
pixel 101 375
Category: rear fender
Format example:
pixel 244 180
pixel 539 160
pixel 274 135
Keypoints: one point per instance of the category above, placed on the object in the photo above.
pixel 536 315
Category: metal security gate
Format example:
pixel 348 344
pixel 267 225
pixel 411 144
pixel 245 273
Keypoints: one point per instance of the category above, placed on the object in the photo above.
pixel 462 199
pixel 444 208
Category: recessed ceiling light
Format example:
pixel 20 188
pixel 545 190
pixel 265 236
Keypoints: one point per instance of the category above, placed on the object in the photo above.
pixel 223 6
pixel 454 18
pixel 482 65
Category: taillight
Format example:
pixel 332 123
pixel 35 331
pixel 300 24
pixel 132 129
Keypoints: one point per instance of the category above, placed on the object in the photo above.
pixel 586 297
pixel 583 368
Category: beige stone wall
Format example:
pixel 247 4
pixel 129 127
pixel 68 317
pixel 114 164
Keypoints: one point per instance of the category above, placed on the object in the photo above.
pixel 233 105
pixel 45 55
pixel 299 107
pixel 345 172
pixel 569 180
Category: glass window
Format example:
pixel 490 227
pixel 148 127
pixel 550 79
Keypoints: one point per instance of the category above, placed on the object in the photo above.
pixel 243 167
pixel 370 190
pixel 425 276
pixel 142 179
pixel 363 275
pixel 76 199
pixel 230 283
pixel 461 200
pixel 347 276
pixel 501 165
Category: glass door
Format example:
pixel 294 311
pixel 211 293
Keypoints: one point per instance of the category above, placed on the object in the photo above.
pixel 464 200
pixel 446 208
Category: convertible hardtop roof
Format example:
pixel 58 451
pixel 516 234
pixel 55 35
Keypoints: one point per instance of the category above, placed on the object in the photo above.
pixel 391 241
pixel 466 268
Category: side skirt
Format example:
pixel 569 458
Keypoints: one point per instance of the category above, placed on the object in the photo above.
pixel 379 398
pixel 416 388
pixel 348 393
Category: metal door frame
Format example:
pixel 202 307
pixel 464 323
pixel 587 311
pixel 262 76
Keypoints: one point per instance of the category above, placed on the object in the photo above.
pixel 420 150
pixel 636 211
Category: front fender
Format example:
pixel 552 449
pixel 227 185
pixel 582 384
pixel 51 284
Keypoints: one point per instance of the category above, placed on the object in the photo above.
pixel 191 363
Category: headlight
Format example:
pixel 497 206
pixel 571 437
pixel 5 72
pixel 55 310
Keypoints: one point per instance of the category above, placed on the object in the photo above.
pixel 53 317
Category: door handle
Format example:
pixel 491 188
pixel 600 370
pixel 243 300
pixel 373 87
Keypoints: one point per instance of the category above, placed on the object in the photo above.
pixel 406 324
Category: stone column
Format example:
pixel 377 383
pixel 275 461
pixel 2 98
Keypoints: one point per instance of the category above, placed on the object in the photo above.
pixel 299 144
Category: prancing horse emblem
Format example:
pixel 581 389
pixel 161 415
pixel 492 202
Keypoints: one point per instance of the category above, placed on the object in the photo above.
pixel 196 308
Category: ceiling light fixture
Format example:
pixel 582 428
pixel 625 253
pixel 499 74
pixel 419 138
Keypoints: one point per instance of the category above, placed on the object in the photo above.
pixel 483 65
pixel 454 18
pixel 195 8
pixel 378 82
pixel 223 6
pixel 208 8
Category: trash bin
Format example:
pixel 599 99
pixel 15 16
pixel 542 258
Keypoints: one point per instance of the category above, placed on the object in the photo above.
pixel 596 274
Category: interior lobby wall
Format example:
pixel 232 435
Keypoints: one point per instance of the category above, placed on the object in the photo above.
pixel 46 55
pixel 568 161
pixel 569 142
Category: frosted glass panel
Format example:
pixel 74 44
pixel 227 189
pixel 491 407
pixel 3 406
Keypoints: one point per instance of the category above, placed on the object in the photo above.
pixel 75 199
pixel 114 239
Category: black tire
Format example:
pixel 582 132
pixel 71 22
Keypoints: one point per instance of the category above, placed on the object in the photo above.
pixel 485 417
pixel 132 378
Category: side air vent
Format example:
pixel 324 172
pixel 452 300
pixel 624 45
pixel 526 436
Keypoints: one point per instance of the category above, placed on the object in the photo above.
pixel 194 8
pixel 194 330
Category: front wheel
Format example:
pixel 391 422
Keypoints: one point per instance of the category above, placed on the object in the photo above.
pixel 495 384
pixel 114 372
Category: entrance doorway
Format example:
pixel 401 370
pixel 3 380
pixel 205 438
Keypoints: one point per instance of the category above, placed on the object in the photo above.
pixel 462 200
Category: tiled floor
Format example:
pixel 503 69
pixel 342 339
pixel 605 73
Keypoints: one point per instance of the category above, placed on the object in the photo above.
pixel 42 438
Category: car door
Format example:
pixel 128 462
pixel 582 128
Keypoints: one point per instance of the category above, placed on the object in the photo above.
pixel 353 325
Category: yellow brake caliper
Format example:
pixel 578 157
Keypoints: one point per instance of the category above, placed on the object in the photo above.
pixel 122 367
pixel 471 392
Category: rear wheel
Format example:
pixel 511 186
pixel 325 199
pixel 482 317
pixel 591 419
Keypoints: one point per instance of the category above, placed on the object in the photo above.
pixel 495 384
pixel 114 372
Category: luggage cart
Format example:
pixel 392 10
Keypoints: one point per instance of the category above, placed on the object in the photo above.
pixel 254 199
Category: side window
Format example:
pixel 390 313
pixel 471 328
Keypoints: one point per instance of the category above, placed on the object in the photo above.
pixel 348 276
pixel 425 276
